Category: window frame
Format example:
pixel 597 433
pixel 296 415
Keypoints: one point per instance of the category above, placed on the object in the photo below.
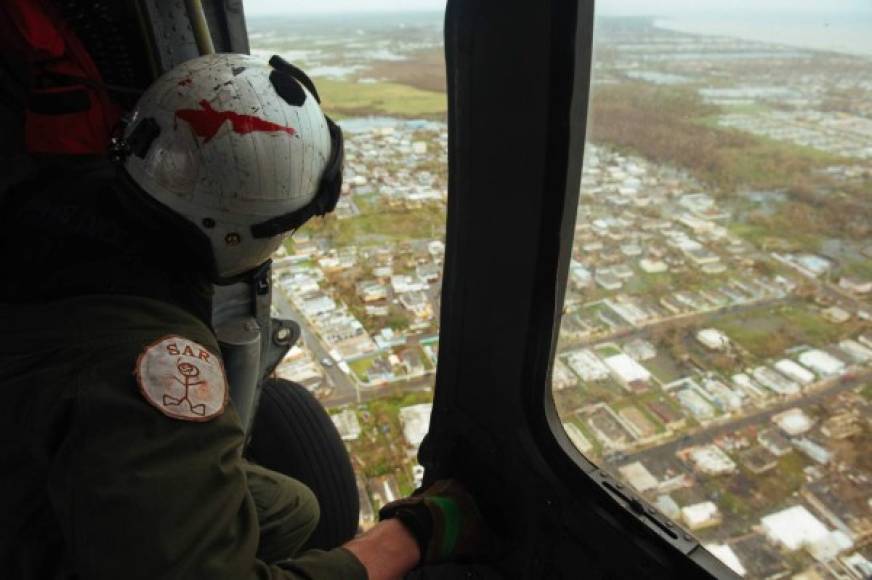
pixel 513 197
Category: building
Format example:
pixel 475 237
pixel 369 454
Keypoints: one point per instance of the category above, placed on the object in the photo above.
pixel 607 280
pixel 748 386
pixel 587 365
pixel 416 422
pixel 843 503
pixel 822 363
pixel 842 425
pixel 711 460
pixel 579 276
pixel 347 424
pixel 758 460
pixel 667 506
pixel 578 439
pixel 793 421
pixel 561 377
pixel 855 286
pixel 812 450
pixel 701 515
pixel 299 366
pixel 793 371
pixel 640 349
pixel 793 528
pixel 796 528
pixel 836 315
pixel 628 372
pixel 713 339
pixel 774 442
pixel 726 555
pixel 691 399
pixel 856 351
pixel 638 476
pixel 774 381
pixel 650 266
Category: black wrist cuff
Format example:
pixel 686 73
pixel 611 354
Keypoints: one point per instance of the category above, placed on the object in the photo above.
pixel 417 519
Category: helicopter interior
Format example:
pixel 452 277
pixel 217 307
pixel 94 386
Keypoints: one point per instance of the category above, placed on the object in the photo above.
pixel 518 80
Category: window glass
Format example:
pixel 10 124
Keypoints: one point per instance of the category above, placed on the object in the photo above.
pixel 365 281
pixel 715 350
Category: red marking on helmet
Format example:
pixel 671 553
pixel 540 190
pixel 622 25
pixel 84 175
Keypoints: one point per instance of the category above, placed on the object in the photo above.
pixel 206 122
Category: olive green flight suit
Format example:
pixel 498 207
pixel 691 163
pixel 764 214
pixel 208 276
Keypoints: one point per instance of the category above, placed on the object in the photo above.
pixel 98 483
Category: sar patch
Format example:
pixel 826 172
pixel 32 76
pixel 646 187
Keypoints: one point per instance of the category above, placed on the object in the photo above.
pixel 182 379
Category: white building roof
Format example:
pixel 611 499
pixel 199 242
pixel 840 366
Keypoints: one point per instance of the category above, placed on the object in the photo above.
pixel 347 424
pixel 699 514
pixel 637 475
pixel 726 555
pixel 821 362
pixel 792 370
pixel 588 365
pixel 793 421
pixel 416 422
pixel 627 369
pixel 711 459
pixel 794 528
pixel 713 339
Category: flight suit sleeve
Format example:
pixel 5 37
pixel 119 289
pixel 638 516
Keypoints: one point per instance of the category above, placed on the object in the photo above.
pixel 140 494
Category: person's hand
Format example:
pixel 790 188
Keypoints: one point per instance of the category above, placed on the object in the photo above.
pixel 445 521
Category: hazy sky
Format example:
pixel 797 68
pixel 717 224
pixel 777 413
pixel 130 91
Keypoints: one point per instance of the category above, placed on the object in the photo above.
pixel 616 7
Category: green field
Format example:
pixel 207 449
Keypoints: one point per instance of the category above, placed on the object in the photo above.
pixel 361 367
pixel 768 333
pixel 349 99
pixel 385 225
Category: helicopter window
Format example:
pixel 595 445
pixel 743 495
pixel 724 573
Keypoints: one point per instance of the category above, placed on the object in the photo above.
pixel 365 281
pixel 715 348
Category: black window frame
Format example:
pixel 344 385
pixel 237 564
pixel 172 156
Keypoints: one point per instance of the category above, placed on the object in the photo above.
pixel 518 86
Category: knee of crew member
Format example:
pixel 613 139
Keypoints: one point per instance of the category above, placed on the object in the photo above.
pixel 287 511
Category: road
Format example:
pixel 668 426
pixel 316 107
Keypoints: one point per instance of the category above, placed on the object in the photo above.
pixel 644 330
pixel 343 387
pixel 827 388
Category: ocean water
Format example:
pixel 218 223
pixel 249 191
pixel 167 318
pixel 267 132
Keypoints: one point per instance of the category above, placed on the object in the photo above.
pixel 844 33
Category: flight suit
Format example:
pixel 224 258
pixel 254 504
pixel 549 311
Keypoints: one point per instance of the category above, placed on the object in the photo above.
pixel 98 483
pixel 101 475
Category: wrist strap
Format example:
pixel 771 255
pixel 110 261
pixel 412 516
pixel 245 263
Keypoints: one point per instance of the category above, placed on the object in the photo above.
pixel 417 519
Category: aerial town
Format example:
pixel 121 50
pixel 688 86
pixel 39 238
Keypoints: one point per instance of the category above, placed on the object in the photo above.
pixel 715 349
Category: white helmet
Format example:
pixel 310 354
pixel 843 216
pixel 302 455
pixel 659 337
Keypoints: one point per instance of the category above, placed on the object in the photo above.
pixel 239 148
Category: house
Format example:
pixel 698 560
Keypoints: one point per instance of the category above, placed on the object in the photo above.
pixel 701 515
pixel 793 371
pixel 836 315
pixel 774 442
pixel 822 363
pixel 793 421
pixel 372 290
pixel 713 339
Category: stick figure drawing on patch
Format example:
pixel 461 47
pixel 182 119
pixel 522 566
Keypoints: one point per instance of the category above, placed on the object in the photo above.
pixel 189 373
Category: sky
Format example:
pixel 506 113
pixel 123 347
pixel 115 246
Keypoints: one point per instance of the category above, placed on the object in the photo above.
pixel 605 7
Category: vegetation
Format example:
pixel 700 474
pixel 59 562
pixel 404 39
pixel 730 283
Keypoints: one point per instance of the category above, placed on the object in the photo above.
pixel 347 98
pixel 386 225
pixel 769 334
pixel 667 125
